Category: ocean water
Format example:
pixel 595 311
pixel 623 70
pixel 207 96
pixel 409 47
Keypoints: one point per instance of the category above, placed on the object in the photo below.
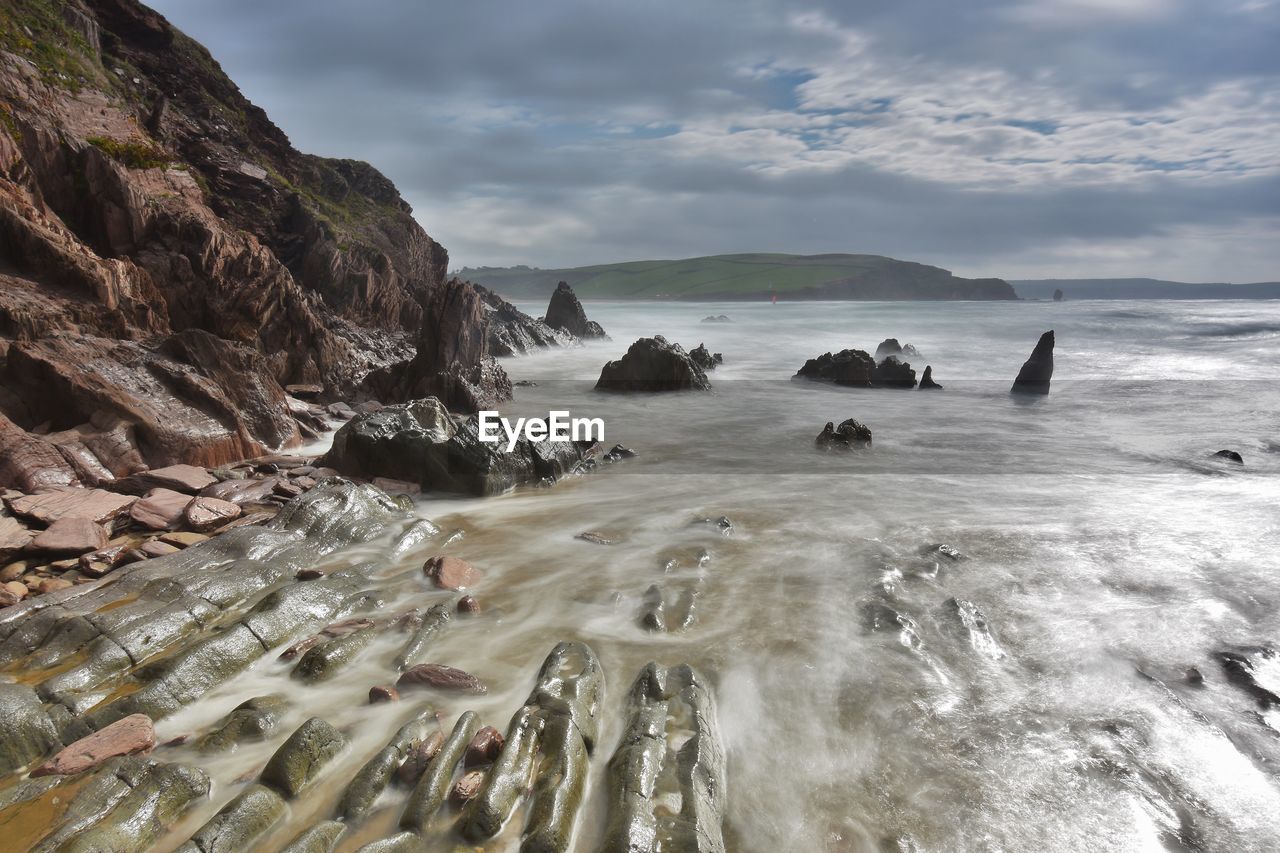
pixel 873 695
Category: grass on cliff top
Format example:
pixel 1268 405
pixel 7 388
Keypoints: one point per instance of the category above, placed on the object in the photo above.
pixel 688 278
pixel 37 30
pixel 133 153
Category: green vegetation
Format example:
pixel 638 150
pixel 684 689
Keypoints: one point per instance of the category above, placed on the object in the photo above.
pixel 709 277
pixel 38 31
pixel 134 153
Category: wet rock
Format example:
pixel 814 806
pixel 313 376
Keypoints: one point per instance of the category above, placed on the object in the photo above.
pixel 440 677
pixel 926 381
pixel 130 736
pixel 466 788
pixel 242 491
pixel 1230 456
pixel 892 372
pixel 94 504
pixel 397 487
pixel 653 365
pixel 565 312
pixel 321 838
pixel 156 548
pixel 239 823
pixel 69 535
pixel 722 525
pixel 942 550
pixel 251 721
pixel 704 358
pixel 325 661
pixel 484 747
pixel 374 776
pixel 14 536
pixel 432 788
pixel 493 806
pixel 189 479
pixel 156 801
pixel 204 514
pixel 380 693
pixel 435 620
pixel 27 732
pixel 851 367
pixel 975 624
pixel 881 618
pixel 159 509
pixel 452 573
pixel 595 538
pixel 1037 370
pixel 468 605
pixel 48 585
pixel 302 757
pixel 30 462
pixel 401 842
pixel 184 539
pixel 717 318
pixel 1255 669
pixel 418 758
pixel 850 435
pixel 620 452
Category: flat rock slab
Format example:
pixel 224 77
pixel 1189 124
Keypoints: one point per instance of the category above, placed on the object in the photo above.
pixel 181 478
pixel 69 535
pixel 13 535
pixel 94 504
pixel 128 736
pixel 208 513
pixel 161 509
pixel 156 548
pixel 242 491
pixel 452 573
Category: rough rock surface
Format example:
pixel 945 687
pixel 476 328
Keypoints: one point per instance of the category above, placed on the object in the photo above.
pixel 852 367
pixel 69 535
pixel 704 358
pixel 893 373
pixel 926 381
pixel 565 312
pixel 653 364
pixel 1037 370
pixel 849 435
pixel 513 332
pixel 128 736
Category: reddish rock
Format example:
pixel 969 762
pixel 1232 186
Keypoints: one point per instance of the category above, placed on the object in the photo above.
pixel 132 735
pixel 484 747
pixel 288 491
pixel 48 585
pixel 467 604
pixel 261 517
pixel 310 574
pixel 381 693
pixel 452 573
pixel 208 513
pixel 70 535
pixel 17 589
pixel 28 462
pixel 180 478
pixel 466 788
pixel 304 482
pixel 161 509
pixel 156 548
pixel 14 536
pixel 94 504
pixel 7 598
pixel 441 677
pixel 415 763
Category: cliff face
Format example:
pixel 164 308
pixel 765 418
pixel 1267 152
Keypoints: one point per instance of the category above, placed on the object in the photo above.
pixel 168 261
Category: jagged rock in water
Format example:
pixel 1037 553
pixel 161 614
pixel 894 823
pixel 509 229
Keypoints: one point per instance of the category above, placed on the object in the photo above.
pixel 444 453
pixel 513 332
pixel 926 381
pixel 704 358
pixel 893 373
pixel 1229 456
pixel 1256 669
pixel 849 435
pixel 653 364
pixel 848 367
pixel 717 318
pixel 1037 370
pixel 890 346
pixel 565 312
pixel 1057 294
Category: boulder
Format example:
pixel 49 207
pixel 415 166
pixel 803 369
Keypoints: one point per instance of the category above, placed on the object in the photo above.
pixel 926 381
pixel 704 358
pixel 189 479
pixel 565 312
pixel 893 373
pixel 849 435
pixel 1037 370
pixel 1229 456
pixel 160 509
pixel 851 367
pixel 69 535
pixel 653 364
pixel 443 452
pixel 127 736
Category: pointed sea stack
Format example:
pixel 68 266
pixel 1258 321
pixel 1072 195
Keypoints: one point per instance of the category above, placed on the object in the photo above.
pixel 926 381
pixel 1037 370
pixel 565 312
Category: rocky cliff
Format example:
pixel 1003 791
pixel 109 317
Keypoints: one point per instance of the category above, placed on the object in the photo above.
pixel 169 263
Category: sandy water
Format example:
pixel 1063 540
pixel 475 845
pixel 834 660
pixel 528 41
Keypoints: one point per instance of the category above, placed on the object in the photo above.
pixel 1107 552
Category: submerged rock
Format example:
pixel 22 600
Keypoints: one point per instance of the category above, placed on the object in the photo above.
pixel 452 573
pixel 251 721
pixel 849 435
pixel 565 312
pixel 1037 370
pixel 653 365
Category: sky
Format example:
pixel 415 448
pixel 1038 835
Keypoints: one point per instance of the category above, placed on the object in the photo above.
pixel 1008 138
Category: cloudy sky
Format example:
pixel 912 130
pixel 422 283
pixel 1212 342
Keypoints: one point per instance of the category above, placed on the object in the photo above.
pixel 1015 138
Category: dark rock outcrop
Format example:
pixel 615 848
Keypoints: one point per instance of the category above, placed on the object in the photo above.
pixel 653 364
pixel 926 381
pixel 565 312
pixel 513 332
pixel 893 373
pixel 444 453
pixel 1037 370
pixel 704 358
pixel 1230 456
pixel 717 318
pixel 849 435
pixel 890 346
pixel 1057 295
pixel 847 367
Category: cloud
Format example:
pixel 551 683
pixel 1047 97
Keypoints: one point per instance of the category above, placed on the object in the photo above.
pixel 1027 138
